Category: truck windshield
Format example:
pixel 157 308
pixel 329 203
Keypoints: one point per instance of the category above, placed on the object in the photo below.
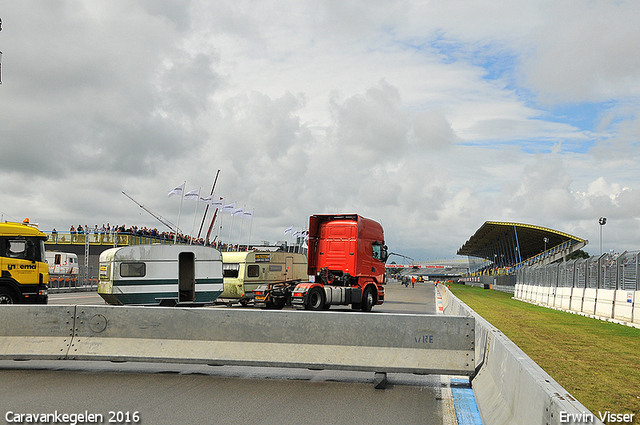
pixel 24 249
pixel 16 249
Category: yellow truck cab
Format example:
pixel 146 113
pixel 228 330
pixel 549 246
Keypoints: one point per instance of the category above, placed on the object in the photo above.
pixel 24 270
pixel 243 272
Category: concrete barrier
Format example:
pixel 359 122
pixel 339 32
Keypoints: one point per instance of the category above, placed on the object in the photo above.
pixel 623 305
pixel 319 340
pixel 558 296
pixel 542 294
pixel 533 293
pixel 553 293
pixel 548 294
pixel 589 301
pixel 577 295
pixel 34 332
pixel 636 307
pixel 509 387
pixel 523 290
pixel 529 292
pixel 604 303
pixel 519 290
pixel 563 298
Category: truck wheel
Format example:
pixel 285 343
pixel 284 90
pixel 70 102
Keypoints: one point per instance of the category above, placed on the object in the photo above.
pixel 6 297
pixel 315 299
pixel 368 299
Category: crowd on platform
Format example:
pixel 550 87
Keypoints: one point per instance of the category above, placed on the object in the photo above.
pixel 134 231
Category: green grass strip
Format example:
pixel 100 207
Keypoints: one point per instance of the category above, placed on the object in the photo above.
pixel 598 362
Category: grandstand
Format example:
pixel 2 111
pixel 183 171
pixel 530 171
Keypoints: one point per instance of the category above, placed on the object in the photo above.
pixel 504 246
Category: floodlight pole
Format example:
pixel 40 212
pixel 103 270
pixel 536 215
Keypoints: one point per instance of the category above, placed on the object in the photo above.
pixel 601 221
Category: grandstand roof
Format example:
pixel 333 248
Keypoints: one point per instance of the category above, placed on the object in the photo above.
pixel 507 243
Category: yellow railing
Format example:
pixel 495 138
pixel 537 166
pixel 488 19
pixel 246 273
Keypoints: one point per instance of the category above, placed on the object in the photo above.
pixel 113 239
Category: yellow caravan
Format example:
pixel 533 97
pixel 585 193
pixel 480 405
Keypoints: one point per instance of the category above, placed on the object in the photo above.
pixel 243 272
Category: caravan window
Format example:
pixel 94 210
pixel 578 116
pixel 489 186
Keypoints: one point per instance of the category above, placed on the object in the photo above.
pixel 253 270
pixel 133 269
pixel 230 270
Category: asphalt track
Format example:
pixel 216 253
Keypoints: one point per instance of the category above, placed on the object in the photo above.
pixel 195 394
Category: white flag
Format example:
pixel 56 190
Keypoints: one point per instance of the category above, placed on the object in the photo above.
pixel 176 191
pixel 288 230
pixel 248 214
pixel 207 199
pixel 193 195
pixel 237 211
pixel 229 207
pixel 217 203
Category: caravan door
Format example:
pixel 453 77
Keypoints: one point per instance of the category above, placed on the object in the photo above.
pixel 186 277
pixel 288 272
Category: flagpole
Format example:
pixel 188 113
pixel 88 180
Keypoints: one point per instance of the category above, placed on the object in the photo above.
pixel 250 227
pixel 175 235
pixel 219 231
pixel 195 213
pixel 241 223
pixel 231 227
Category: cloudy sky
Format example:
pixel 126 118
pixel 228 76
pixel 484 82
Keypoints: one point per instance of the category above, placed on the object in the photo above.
pixel 431 117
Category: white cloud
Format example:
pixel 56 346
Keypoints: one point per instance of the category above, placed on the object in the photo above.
pixel 431 117
pixel 586 51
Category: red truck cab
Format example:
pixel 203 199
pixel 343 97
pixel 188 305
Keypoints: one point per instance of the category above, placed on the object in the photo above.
pixel 345 261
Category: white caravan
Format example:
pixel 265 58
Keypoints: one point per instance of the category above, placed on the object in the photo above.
pixel 164 275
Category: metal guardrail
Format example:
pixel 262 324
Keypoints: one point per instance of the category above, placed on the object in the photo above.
pixel 378 343
pixel 66 280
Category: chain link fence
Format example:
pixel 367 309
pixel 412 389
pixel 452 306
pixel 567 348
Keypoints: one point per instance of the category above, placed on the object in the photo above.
pixel 608 271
